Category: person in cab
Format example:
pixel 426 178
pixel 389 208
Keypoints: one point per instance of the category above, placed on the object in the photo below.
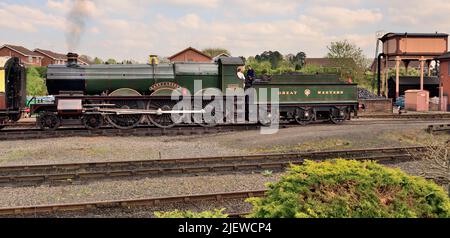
pixel 241 76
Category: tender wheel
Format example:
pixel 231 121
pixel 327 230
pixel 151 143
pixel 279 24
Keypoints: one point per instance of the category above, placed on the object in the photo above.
pixel 161 120
pixel 304 117
pixel 48 121
pixel 93 121
pixel 338 116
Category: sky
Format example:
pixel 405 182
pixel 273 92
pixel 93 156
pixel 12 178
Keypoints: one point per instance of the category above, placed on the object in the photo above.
pixel 136 28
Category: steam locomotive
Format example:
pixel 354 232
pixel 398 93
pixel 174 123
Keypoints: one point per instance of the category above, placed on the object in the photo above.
pixel 125 95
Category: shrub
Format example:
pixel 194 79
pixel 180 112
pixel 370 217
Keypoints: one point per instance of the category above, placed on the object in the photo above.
pixel 35 82
pixel 346 188
pixel 217 213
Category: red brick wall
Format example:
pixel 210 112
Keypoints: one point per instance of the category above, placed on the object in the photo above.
pixel 445 79
pixel 190 56
pixel 7 52
pixel 47 61
pixel 375 106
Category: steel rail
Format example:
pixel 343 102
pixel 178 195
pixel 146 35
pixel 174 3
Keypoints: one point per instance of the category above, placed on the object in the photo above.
pixel 438 128
pixel 68 173
pixel 408 116
pixel 126 203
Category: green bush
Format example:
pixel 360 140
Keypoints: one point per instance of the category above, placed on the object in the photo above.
pixel 345 188
pixel 35 81
pixel 217 213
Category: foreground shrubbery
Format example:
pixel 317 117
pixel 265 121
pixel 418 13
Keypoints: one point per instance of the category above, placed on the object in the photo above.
pixel 344 188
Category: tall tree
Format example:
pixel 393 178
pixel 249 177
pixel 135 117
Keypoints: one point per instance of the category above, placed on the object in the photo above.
pixel 349 57
pixel 213 52
pixel 299 60
pixel 274 57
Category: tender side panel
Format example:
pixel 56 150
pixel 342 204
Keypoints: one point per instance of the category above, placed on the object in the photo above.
pixel 313 93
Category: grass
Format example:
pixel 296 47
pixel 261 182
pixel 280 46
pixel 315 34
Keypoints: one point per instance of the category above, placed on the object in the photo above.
pixel 412 138
pixel 327 144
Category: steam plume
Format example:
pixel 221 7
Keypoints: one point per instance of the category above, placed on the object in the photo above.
pixel 76 19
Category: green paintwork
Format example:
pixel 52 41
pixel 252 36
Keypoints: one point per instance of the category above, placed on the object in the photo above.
pixel 309 93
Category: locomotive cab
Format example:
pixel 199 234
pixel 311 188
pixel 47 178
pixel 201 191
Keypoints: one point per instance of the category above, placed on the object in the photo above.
pixel 12 90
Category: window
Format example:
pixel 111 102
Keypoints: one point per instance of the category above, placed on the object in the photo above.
pixel 30 59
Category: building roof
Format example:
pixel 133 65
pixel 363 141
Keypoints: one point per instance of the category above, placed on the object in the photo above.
pixel 22 50
pixel 328 62
pixel 51 54
pixel 415 80
pixel 444 56
pixel 231 61
pixel 412 35
pixel 187 49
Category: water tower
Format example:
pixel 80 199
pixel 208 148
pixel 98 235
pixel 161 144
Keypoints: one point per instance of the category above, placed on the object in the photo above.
pixel 403 48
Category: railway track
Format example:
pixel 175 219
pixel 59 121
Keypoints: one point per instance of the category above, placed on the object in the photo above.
pixel 59 174
pixel 438 128
pixel 29 133
pixel 41 210
pixel 408 116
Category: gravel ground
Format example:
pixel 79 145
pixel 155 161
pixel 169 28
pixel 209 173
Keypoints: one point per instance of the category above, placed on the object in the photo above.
pixel 313 137
pixel 132 189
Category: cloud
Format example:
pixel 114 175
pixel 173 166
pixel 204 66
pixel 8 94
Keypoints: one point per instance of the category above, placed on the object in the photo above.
pixel 193 3
pixel 343 17
pixel 119 29
pixel 28 19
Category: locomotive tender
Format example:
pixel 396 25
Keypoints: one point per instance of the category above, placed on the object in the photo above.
pixel 12 90
pixel 126 96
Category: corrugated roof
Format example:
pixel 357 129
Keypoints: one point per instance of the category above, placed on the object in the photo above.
pixel 444 56
pixel 415 80
pixel 231 61
pixel 406 34
pixel 22 50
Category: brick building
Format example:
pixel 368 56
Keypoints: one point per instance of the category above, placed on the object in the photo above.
pixel 50 57
pixel 444 75
pixel 28 57
pixel 190 55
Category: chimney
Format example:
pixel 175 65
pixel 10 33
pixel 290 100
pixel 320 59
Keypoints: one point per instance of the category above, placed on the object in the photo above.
pixel 72 59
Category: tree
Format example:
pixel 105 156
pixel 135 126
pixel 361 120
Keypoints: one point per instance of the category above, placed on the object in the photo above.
pixel 111 61
pixel 213 52
pixel 274 57
pixel 350 58
pixel 98 60
pixel 299 60
pixel 35 82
